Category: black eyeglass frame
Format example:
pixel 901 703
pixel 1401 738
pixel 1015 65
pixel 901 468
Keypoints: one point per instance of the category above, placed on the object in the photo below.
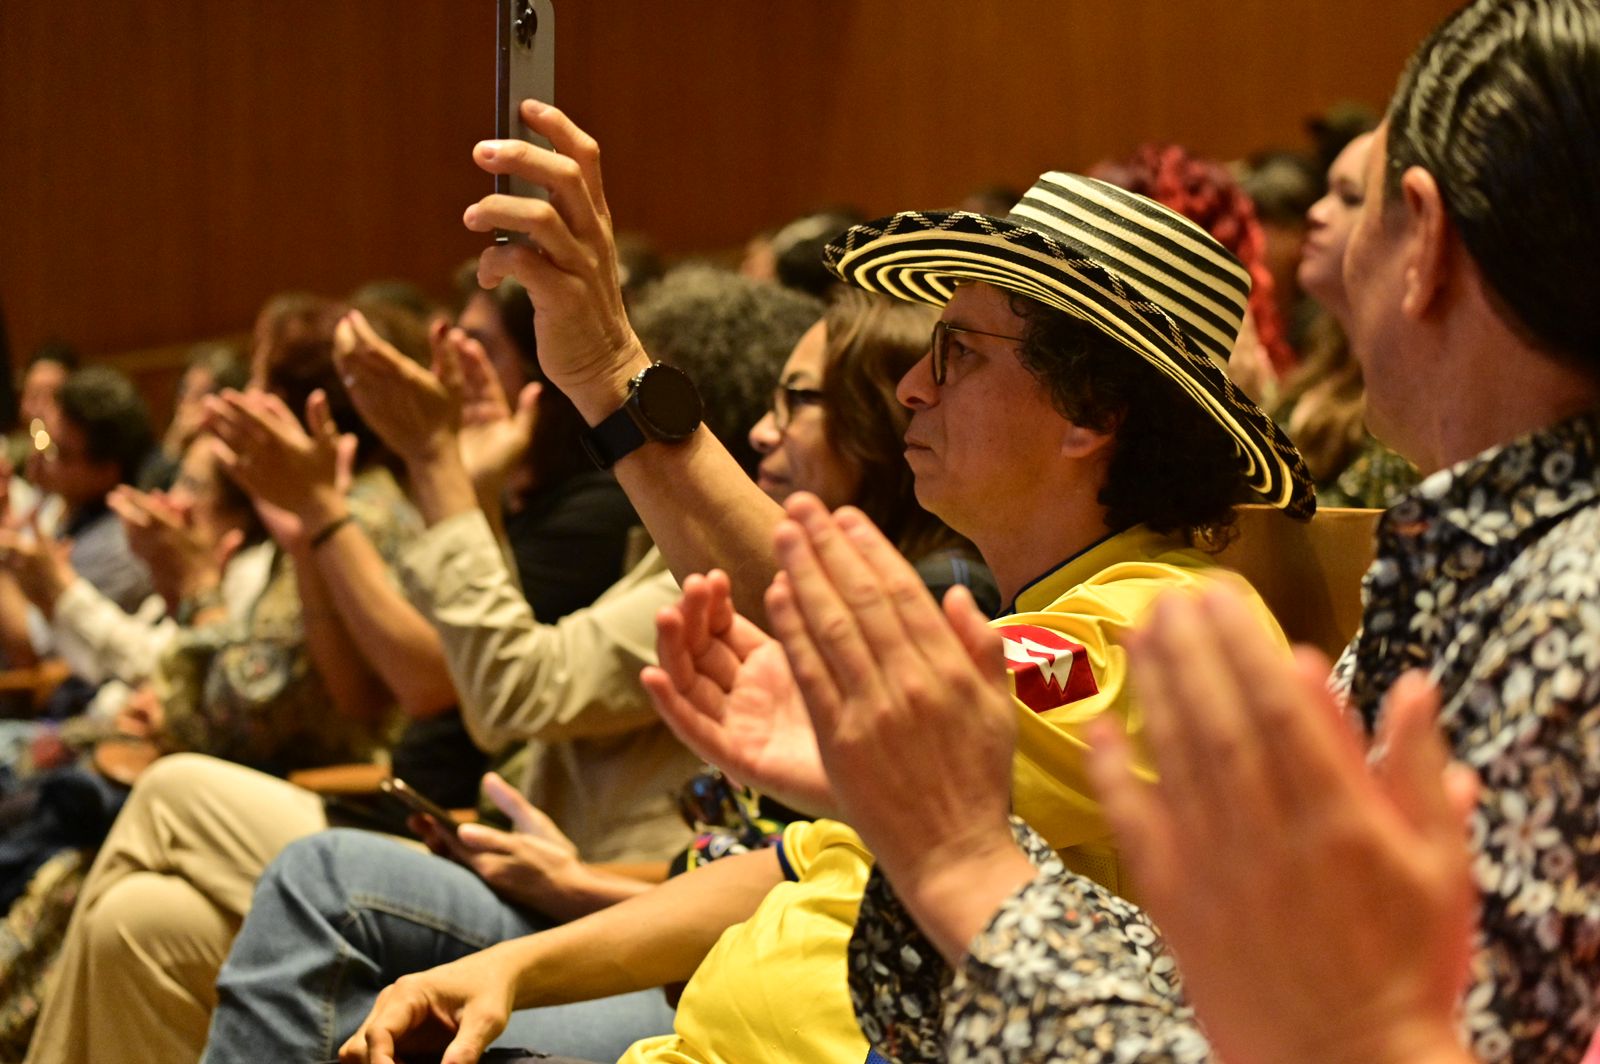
pixel 787 398
pixel 939 345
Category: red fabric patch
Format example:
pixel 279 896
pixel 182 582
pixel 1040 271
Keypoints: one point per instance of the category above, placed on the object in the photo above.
pixel 1048 669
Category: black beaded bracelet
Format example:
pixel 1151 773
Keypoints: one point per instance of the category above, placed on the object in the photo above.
pixel 329 530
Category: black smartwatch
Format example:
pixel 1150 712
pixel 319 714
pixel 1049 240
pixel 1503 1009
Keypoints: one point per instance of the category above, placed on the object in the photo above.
pixel 662 405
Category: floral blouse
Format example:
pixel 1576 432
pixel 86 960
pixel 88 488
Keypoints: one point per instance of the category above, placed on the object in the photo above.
pixel 245 690
pixel 1487 575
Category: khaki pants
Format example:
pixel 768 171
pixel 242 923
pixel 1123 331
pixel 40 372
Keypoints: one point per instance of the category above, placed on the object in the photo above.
pixel 160 907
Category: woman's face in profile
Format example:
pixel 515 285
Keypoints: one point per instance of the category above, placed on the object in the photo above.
pixel 1330 222
pixel 792 437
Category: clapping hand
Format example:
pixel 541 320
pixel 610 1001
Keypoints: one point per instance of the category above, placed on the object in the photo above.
pixel 415 412
pixel 296 479
pixel 913 715
pixel 41 566
pixel 1319 909
pixel 493 436
pixel 725 689
pixel 162 533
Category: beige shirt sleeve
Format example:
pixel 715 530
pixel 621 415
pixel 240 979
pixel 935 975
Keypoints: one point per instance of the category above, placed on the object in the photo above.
pixel 522 680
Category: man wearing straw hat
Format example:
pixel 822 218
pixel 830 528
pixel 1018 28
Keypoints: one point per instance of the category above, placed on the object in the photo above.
pixel 1320 906
pixel 1073 418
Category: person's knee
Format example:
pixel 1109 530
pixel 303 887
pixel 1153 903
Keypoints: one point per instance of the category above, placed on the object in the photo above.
pixel 154 923
pixel 321 870
pixel 173 780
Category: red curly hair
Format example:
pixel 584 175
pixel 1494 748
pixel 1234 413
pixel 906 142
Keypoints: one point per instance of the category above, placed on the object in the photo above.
pixel 1205 193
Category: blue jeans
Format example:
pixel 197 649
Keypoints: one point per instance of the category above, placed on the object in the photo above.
pixel 342 914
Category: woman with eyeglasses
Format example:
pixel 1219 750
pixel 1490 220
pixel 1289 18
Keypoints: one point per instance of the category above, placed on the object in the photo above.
pixel 836 430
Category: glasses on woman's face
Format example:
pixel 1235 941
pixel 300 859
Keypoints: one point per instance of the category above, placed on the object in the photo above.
pixel 940 345
pixel 788 398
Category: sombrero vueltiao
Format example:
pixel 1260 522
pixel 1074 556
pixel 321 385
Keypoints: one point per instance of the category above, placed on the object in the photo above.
pixel 1143 274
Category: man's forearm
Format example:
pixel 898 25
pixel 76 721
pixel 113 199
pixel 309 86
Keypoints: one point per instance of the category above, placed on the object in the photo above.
pixel 655 938
pixel 700 508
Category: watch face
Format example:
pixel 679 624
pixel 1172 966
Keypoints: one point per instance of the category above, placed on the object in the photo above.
pixel 668 402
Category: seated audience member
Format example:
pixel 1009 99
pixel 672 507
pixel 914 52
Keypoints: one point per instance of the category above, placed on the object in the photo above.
pixel 8 384
pixel 99 433
pixel 243 676
pixel 1470 284
pixel 1080 445
pixel 1323 402
pixel 209 368
pixel 47 370
pixel 833 429
pixel 792 256
pixel 200 538
pixel 1282 186
pixel 1204 192
pixel 567 530
pixel 198 832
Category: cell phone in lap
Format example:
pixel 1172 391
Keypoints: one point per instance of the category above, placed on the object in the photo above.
pixel 490 1056
pixel 418 802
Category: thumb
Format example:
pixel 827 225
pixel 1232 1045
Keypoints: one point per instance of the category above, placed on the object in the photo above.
pixel 528 406
pixel 345 460
pixel 228 546
pixel 524 816
pixel 447 368
pixel 320 419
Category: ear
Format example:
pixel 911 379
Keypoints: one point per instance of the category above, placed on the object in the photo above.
pixel 1428 257
pixel 1079 441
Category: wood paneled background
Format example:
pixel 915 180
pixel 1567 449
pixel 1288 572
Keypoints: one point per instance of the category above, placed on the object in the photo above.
pixel 166 164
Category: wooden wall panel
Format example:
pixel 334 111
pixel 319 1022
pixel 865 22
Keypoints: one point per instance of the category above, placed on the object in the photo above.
pixel 166 164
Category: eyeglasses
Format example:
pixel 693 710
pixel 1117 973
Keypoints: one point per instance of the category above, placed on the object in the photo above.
pixel 940 346
pixel 787 398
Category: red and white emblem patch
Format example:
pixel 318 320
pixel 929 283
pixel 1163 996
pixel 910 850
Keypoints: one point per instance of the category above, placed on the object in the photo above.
pixel 1047 669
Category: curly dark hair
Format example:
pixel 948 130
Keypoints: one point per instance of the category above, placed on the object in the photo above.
pixel 105 406
pixel 730 335
pixel 1173 467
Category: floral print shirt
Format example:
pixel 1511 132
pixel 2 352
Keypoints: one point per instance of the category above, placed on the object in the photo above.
pixel 1488 576
pixel 1065 972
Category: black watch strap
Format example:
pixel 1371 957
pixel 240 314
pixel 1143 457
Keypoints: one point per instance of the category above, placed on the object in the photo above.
pixel 614 438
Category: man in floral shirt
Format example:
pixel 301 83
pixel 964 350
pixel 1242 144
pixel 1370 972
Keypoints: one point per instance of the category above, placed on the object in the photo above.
pixel 1471 273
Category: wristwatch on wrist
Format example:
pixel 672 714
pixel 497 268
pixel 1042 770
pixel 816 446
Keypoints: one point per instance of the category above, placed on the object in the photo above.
pixel 662 405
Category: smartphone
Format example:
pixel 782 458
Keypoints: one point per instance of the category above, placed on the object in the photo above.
pixel 525 68
pixel 418 802
pixel 490 1056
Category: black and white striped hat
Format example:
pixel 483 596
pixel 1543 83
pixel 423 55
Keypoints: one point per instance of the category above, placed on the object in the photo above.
pixel 1143 274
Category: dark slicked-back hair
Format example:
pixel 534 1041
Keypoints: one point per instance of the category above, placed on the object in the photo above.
pixel 730 335
pixel 1501 104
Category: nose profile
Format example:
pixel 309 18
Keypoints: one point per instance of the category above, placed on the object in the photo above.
pixel 764 434
pixel 916 390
